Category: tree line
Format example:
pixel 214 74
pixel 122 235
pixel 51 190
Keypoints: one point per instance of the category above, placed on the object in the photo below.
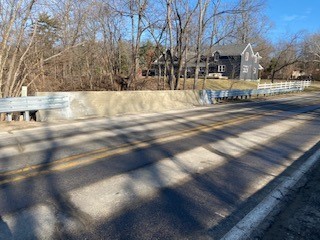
pixel 103 45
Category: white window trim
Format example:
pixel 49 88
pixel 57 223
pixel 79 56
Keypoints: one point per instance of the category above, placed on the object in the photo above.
pixel 254 70
pixel 221 68
pixel 216 57
pixel 246 56
pixel 245 69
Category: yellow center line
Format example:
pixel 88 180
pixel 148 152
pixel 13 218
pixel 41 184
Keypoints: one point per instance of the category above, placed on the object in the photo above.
pixel 100 154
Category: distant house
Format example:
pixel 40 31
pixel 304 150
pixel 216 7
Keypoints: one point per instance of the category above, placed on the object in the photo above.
pixel 227 61
pixel 236 62
pixel 298 74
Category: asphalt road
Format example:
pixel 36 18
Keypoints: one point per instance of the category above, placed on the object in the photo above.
pixel 177 175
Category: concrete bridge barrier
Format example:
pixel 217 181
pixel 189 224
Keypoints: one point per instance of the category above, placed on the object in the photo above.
pixel 107 103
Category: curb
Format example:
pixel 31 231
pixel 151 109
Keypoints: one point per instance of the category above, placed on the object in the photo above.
pixel 244 228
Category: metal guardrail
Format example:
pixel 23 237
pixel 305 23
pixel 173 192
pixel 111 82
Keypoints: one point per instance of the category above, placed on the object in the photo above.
pixel 209 96
pixel 34 103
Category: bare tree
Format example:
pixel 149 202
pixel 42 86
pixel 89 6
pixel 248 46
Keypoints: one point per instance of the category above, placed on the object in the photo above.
pixel 169 56
pixel 203 7
pixel 222 26
pixel 251 22
pixel 157 30
pixel 286 53
pixel 136 11
pixel 87 44
pixel 222 19
pixel 13 48
pixel 183 13
pixel 313 47
pixel 108 24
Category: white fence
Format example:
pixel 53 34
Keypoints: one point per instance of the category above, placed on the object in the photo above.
pixel 209 96
pixel 285 85
pixel 26 104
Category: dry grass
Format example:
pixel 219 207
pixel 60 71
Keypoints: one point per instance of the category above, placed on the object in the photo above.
pixel 226 84
pixel 214 84
pixel 315 86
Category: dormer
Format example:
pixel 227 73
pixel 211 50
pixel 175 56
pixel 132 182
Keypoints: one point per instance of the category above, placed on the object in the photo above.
pixel 258 55
pixel 216 56
pixel 247 52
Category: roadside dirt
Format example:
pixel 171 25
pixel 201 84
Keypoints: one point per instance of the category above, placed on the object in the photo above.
pixel 18 125
pixel 301 217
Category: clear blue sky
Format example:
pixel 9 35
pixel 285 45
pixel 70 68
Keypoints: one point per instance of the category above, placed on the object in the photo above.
pixel 290 16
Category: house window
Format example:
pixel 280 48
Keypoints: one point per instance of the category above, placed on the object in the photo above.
pixel 221 68
pixel 216 56
pixel 246 56
pixel 245 68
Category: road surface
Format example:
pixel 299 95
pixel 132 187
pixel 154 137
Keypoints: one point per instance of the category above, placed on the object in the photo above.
pixel 300 219
pixel 190 174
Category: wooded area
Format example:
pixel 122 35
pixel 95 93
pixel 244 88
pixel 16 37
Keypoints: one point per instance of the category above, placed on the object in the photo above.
pixel 71 45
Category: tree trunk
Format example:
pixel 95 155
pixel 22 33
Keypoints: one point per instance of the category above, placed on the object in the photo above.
pixel 170 52
pixel 206 73
pixel 201 25
pixel 273 73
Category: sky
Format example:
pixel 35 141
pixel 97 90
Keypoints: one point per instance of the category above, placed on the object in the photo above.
pixel 291 16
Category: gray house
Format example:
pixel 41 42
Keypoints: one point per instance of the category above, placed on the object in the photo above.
pixel 235 62
pixel 227 61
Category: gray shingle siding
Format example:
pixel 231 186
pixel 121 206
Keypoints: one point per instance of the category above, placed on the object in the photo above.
pixel 237 66
pixel 239 61
pixel 232 66
pixel 249 67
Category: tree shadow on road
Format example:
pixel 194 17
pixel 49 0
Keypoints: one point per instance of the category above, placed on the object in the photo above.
pixel 177 212
pixel 5 232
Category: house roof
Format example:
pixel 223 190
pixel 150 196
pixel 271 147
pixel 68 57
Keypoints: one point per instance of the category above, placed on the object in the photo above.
pixel 161 59
pixel 191 57
pixel 223 50
pixel 229 50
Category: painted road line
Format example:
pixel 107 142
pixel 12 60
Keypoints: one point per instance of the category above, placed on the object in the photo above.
pixel 86 127
pixel 243 229
pixel 100 154
pixel 83 128
pixel 80 137
pixel 108 197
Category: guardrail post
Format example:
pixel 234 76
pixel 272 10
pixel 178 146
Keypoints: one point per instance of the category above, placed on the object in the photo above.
pixel 26 116
pixel 9 117
pixel 24 91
